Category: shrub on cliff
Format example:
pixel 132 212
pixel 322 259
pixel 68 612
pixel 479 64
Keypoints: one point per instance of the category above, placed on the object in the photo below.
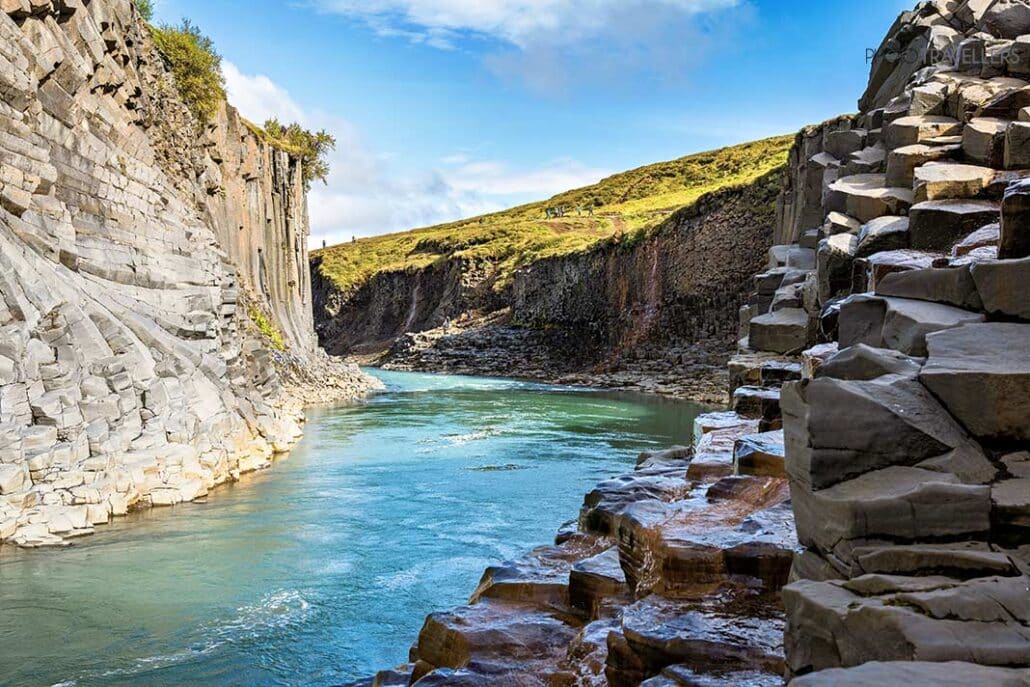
pixel 196 65
pixel 146 9
pixel 312 147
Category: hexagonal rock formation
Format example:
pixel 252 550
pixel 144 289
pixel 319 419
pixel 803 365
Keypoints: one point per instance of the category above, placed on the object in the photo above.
pixel 133 243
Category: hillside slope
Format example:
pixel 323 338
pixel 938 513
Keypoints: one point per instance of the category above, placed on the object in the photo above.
pixel 564 294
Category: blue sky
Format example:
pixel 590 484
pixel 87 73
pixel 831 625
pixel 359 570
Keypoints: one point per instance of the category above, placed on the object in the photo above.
pixel 449 108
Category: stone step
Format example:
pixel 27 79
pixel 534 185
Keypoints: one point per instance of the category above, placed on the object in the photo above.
pixel 981 372
pixel 902 324
pixel 902 162
pixel 657 634
pixel 783 331
pixel 916 674
pixel 759 403
pixel 912 130
pixel 983 141
pixel 867 196
pixel 838 624
pixel 761 455
pixel 597 582
pixel 940 224
pixel 951 181
pixel 883 234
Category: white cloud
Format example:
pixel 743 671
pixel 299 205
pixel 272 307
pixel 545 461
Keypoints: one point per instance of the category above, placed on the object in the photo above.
pixel 367 195
pixel 557 45
pixel 258 97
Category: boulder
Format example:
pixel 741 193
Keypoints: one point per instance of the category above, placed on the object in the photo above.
pixel 908 131
pixel 1002 285
pixel 1015 222
pixel 1017 146
pixel 839 223
pixel 951 286
pixel 916 674
pixel 881 264
pixel 940 224
pixel 988 236
pixel 983 141
pixel 1011 503
pixel 867 196
pixel 902 162
pixel 981 372
pixel 863 363
pixel 883 234
pixel 761 455
pixel 890 421
pixel 835 259
pixel 783 331
pixel 899 323
pixel 951 181
pixel 899 504
pixel 596 581
pixel 1006 19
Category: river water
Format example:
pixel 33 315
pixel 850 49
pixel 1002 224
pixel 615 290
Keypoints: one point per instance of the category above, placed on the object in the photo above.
pixel 322 569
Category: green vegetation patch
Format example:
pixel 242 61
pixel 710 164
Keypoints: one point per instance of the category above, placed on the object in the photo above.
pixel 195 64
pixel 146 9
pixel 267 329
pixel 626 207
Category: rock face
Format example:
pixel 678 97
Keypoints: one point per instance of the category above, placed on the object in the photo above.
pixel 623 315
pixel 901 432
pixel 905 441
pixel 133 243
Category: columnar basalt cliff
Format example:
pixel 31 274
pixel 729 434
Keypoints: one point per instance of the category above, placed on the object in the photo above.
pixel 861 516
pixel 134 242
pixel 658 311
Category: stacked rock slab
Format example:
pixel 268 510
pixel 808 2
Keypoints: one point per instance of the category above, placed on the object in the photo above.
pixel 907 440
pixel 670 577
pixel 127 374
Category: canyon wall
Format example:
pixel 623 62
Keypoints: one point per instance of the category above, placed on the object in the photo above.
pixel 134 244
pixel 862 515
pixel 672 292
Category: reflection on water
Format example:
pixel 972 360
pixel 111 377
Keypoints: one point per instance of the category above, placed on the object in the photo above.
pixel 322 569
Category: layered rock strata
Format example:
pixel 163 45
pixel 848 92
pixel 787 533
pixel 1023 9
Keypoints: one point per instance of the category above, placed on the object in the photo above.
pixel 883 377
pixel 907 438
pixel 657 314
pixel 133 244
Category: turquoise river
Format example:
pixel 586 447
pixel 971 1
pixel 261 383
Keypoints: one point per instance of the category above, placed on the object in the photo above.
pixel 322 569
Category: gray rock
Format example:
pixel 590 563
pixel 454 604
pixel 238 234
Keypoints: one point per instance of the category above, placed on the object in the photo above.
pixel 783 331
pixel 983 141
pixel 760 455
pixel 1015 222
pixel 891 421
pixel 981 372
pixel 951 286
pixel 916 674
pixel 867 196
pixel 883 234
pixel 1002 286
pixel 835 258
pixel 940 224
pixel 863 363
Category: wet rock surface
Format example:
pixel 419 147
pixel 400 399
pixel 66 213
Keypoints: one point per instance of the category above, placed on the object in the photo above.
pixel 860 517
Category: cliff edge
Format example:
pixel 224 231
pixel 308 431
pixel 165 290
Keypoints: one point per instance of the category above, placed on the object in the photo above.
pixel 144 260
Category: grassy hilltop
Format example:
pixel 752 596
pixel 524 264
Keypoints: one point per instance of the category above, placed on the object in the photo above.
pixel 627 204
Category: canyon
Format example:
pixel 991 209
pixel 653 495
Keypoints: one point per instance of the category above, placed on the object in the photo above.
pixel 137 249
pixel 858 515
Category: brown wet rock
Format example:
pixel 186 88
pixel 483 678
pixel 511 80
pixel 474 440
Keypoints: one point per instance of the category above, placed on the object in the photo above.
pixel 690 548
pixel 604 506
pixel 760 454
pixel 541 578
pixel 492 638
pixel 725 634
pixel 596 583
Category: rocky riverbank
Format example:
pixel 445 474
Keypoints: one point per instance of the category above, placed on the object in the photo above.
pixel 657 313
pixel 861 516
pixel 144 260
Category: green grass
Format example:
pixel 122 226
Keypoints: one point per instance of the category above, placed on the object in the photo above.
pixel 627 205
pixel 267 329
